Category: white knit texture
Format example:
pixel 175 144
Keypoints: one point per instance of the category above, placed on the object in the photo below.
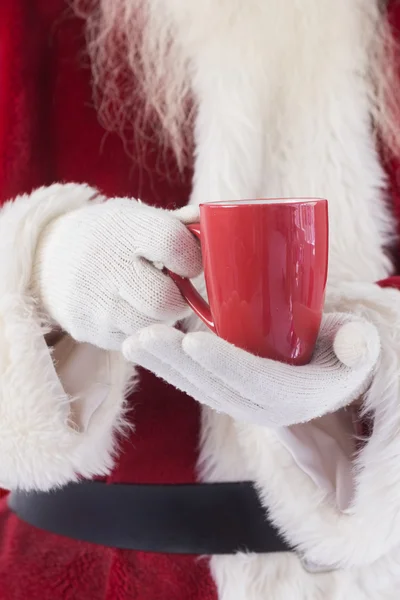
pixel 95 275
pixel 253 389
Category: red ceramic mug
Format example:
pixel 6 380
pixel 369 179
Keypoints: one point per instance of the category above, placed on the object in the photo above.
pixel 265 266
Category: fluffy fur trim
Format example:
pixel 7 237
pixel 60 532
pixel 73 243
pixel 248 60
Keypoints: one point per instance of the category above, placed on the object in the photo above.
pixel 358 549
pixel 41 444
pixel 282 577
pixel 312 523
pixel 302 126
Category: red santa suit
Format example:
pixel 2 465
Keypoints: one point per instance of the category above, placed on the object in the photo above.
pixel 49 132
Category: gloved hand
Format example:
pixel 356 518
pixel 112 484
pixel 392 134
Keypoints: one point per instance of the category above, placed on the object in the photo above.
pixel 95 274
pixel 257 390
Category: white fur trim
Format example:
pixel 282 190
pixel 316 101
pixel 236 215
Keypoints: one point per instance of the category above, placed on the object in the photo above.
pixel 286 119
pixel 40 447
pixel 21 224
pixel 282 577
pixel 283 96
pixel 361 545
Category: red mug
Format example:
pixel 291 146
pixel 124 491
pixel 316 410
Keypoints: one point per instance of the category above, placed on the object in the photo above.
pixel 265 267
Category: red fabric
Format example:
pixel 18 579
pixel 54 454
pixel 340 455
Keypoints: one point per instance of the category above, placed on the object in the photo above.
pixel 390 282
pixel 393 164
pixel 49 132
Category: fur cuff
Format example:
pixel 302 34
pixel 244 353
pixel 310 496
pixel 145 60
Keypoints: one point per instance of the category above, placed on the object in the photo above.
pixel 40 445
pixel 370 527
pixel 21 223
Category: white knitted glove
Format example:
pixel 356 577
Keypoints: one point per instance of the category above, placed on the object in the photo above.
pixel 257 390
pixel 93 273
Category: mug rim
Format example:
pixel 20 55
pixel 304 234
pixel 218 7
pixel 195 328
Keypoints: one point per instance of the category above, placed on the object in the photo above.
pixel 264 201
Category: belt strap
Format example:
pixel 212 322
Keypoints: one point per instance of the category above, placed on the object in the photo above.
pixel 202 519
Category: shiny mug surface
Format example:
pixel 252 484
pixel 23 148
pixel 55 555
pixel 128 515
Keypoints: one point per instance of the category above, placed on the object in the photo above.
pixel 265 267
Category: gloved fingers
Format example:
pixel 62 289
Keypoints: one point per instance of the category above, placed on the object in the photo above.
pixel 127 320
pixel 220 358
pixel 134 352
pixel 162 238
pixel 357 343
pixel 188 214
pixel 248 388
pixel 159 348
pixel 152 293
pixel 292 394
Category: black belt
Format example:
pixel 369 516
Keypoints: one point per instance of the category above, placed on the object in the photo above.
pixel 215 518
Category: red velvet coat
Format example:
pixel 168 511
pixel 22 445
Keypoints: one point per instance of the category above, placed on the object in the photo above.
pixel 49 132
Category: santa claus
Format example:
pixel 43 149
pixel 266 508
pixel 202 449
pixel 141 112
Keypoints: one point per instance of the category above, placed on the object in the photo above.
pixel 147 458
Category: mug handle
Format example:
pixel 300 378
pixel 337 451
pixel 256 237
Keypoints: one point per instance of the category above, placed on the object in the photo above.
pixel 189 292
